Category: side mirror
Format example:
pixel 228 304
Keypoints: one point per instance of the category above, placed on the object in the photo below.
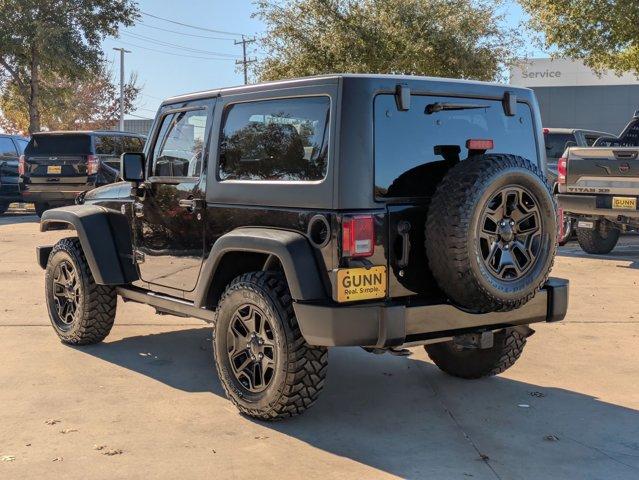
pixel 132 167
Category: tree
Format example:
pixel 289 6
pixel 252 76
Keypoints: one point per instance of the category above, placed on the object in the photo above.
pixel 602 33
pixel 445 38
pixel 91 102
pixel 58 37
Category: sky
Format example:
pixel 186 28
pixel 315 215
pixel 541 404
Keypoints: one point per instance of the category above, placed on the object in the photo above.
pixel 171 59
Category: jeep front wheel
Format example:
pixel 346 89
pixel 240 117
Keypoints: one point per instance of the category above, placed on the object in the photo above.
pixel 599 240
pixel 264 364
pixel 81 311
pixel 472 363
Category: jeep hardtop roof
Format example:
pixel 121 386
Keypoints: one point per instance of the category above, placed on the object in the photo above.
pixel 459 85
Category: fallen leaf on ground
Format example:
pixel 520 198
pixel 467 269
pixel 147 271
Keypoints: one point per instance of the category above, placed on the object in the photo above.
pixel 68 430
pixel 99 447
pixel 484 457
pixel 551 438
pixel 58 459
pixel 51 421
pixel 261 437
pixel 7 458
pixel 115 451
pixel 537 394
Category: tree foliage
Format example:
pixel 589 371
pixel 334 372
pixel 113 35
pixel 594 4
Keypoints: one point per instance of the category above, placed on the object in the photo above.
pixel 603 33
pixel 56 38
pixel 91 102
pixel 446 38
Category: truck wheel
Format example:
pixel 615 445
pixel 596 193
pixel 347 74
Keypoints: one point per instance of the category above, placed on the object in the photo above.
pixel 4 206
pixel 81 311
pixel 491 233
pixel 40 208
pixel 599 240
pixel 265 366
pixel 476 363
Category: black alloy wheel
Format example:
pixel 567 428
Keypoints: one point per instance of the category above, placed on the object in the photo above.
pixel 251 348
pixel 510 233
pixel 66 294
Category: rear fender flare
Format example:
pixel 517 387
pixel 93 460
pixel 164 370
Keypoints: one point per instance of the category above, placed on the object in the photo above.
pixel 292 250
pixel 105 237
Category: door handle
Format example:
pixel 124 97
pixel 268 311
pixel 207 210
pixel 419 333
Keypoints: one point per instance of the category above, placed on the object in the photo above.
pixel 192 204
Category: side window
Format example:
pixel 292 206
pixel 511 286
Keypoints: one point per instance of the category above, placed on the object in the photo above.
pixel 132 144
pixel 111 146
pixel 275 140
pixel 556 143
pixel 7 148
pixel 180 143
pixel 22 144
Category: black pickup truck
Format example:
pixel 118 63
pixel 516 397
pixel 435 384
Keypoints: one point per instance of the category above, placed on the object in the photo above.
pixel 599 188
pixel 343 210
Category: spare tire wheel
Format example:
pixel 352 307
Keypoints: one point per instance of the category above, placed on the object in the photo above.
pixel 491 232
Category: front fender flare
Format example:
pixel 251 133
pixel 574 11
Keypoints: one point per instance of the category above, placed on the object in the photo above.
pixel 105 237
pixel 291 248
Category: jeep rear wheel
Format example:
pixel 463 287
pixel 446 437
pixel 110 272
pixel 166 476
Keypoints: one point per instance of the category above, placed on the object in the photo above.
pixel 491 233
pixel 476 363
pixel 599 240
pixel 265 366
pixel 81 311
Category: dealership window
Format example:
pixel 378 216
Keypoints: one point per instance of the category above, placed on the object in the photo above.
pixel 275 140
pixel 415 149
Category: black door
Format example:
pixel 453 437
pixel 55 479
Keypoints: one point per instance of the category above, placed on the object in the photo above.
pixel 169 217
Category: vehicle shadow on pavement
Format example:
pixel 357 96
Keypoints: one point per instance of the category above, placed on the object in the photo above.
pixel 405 417
pixel 627 250
pixel 11 218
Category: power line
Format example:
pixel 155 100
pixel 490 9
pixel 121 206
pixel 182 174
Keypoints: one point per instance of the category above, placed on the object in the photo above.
pixel 183 33
pixel 155 41
pixel 183 55
pixel 192 26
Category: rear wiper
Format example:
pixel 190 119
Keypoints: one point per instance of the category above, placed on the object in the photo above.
pixel 438 107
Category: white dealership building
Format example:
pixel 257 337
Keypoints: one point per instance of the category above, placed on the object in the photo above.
pixel 571 95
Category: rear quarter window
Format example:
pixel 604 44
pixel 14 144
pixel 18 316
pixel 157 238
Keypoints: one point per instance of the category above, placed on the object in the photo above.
pixel 59 145
pixel 414 150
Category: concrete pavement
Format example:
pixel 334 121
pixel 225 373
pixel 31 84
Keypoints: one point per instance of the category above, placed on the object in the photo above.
pixel 147 404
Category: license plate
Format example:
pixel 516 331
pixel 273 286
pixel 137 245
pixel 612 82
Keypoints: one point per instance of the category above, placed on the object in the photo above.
pixel 361 283
pixel 624 203
pixel 54 169
pixel 584 224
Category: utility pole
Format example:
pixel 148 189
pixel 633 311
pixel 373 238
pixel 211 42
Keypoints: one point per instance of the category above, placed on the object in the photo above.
pixel 122 52
pixel 245 61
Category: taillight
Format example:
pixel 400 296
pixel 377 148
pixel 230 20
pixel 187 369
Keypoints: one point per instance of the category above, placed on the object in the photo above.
pixel 479 144
pixel 358 236
pixel 93 164
pixel 21 169
pixel 561 171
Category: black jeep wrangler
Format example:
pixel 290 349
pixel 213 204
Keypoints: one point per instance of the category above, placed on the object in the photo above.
pixel 345 210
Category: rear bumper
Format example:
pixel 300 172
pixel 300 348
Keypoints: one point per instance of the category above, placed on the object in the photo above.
pixel 393 325
pixel 61 193
pixel 593 206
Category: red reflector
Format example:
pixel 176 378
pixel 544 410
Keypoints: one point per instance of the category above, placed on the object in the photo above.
pixel 546 131
pixel 358 236
pixel 562 169
pixel 21 165
pixel 93 164
pixel 478 144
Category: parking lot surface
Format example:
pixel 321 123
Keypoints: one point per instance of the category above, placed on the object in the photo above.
pixel 146 403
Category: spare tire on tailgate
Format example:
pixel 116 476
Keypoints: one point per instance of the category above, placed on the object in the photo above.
pixel 491 232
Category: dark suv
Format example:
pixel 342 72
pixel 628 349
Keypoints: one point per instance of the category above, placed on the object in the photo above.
pixel 377 211
pixel 11 147
pixel 57 166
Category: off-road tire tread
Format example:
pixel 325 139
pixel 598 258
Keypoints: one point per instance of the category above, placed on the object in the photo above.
pixel 590 241
pixel 449 217
pixel 307 365
pixel 100 300
pixel 510 345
